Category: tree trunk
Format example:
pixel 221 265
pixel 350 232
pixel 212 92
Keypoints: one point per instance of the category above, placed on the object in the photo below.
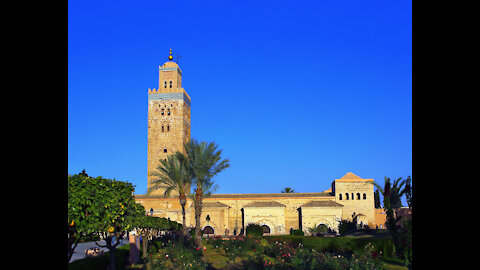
pixel 111 247
pixel 184 221
pixel 112 259
pixel 145 245
pixel 183 201
pixel 198 213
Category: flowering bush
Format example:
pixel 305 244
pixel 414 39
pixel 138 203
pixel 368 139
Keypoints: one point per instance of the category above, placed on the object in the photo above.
pixel 177 257
pixel 287 257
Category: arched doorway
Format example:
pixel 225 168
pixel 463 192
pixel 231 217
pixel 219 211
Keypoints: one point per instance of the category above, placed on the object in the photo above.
pixel 208 230
pixel 322 228
pixel 265 229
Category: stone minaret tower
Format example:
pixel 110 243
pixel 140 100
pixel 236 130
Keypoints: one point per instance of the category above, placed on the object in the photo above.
pixel 168 118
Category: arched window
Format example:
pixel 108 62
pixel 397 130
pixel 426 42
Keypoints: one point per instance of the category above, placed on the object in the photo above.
pixel 163 129
pixel 171 83
pixel 165 150
pixel 364 196
pixel 346 196
pixel 168 130
pixel 340 196
pixel 358 196
pixel 165 84
pixel 353 197
pixel 168 111
pixel 265 229
pixel 163 111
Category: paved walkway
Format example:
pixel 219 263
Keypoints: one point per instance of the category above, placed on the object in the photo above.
pixel 79 252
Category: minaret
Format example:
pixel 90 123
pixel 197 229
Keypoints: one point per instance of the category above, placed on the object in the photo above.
pixel 168 118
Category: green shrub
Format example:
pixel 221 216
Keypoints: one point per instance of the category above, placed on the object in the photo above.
pixel 297 232
pixel 346 226
pixel 254 230
pixel 337 244
pixel 177 256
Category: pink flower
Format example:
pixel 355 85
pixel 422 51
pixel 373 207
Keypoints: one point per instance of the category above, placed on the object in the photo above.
pixel 253 249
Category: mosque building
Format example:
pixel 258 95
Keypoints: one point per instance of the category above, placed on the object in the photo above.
pixel 169 109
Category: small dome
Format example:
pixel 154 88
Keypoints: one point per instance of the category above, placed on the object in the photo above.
pixel 170 64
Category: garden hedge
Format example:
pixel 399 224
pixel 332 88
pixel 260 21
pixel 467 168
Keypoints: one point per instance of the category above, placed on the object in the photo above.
pixel 338 244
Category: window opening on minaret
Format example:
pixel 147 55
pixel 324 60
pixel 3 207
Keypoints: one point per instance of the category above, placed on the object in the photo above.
pixel 346 196
pixel 163 129
pixel 358 196
pixel 171 83
pixel 165 150
pixel 168 111
pixel 168 128
pixel 165 84
pixel 364 196
pixel 163 111
pixel 340 196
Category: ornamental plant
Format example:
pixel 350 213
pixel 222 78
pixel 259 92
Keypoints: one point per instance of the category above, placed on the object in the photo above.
pixel 254 230
pixel 177 256
pixel 100 207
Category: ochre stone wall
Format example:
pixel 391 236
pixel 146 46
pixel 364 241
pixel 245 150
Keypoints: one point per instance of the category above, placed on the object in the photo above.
pixel 362 201
pixel 314 216
pixel 315 208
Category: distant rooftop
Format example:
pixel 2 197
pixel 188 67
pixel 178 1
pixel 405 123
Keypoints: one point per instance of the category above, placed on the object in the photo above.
pixel 251 195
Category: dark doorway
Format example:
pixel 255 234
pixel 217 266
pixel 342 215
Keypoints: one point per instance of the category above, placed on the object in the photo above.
pixel 208 230
pixel 265 229
pixel 243 222
pixel 299 218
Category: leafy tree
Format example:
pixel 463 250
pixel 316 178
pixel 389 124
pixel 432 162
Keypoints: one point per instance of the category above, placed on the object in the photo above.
pixel 147 226
pixel 172 175
pixel 119 213
pixel 288 190
pixel 377 199
pixel 203 161
pixel 82 209
pixel 396 191
pixel 408 192
pixel 101 207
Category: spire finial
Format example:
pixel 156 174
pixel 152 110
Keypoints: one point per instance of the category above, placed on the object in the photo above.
pixel 170 57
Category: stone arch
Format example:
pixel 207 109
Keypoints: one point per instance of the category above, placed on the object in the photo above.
pixel 208 230
pixel 323 227
pixel 362 219
pixel 268 223
pixel 265 229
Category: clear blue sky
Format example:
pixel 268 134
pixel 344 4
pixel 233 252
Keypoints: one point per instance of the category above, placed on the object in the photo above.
pixel 296 93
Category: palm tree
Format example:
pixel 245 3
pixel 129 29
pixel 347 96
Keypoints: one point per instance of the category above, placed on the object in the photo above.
pixel 288 190
pixel 203 161
pixel 172 175
pixel 396 192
